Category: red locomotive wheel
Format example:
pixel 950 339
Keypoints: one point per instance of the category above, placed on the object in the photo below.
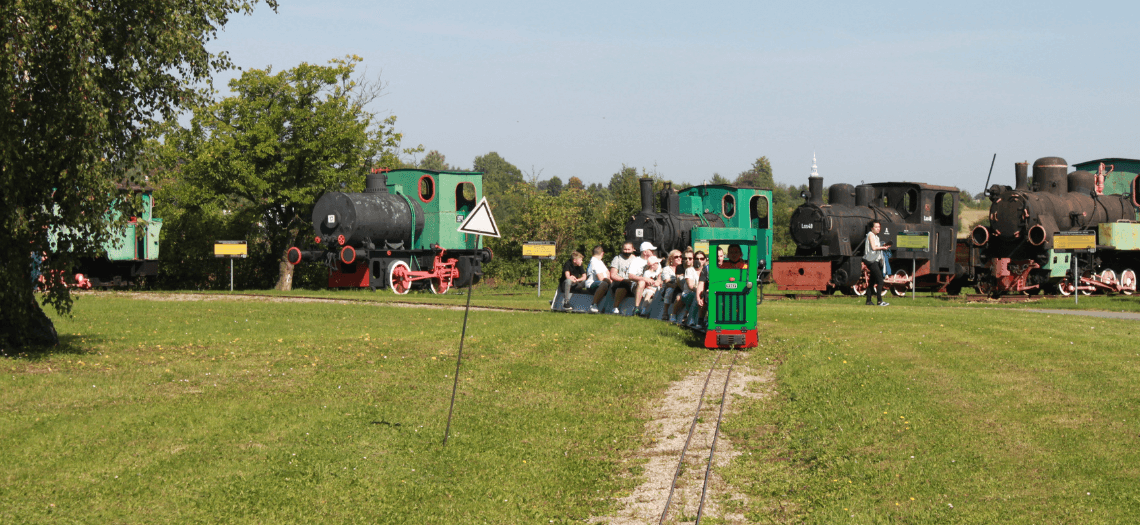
pixel 399 277
pixel 439 285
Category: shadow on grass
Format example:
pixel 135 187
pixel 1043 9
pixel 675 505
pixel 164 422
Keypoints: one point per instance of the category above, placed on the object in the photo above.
pixel 69 344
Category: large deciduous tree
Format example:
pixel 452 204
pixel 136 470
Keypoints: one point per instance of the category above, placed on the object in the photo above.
pixel 281 141
pixel 83 81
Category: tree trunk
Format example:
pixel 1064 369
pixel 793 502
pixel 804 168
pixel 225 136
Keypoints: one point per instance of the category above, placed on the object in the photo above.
pixel 22 321
pixel 284 269
pixel 285 276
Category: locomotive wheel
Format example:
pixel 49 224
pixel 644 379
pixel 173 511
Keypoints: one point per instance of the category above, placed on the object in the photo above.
pixel 1082 289
pixel 984 287
pixel 439 285
pixel 1108 277
pixel 900 290
pixel 399 277
pixel 859 288
pixel 1128 282
pixel 466 272
pixel 1065 287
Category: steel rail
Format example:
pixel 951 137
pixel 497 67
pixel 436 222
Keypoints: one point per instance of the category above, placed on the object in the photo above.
pixel 692 428
pixel 716 430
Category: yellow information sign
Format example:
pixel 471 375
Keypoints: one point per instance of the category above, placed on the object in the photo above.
pixel 913 241
pixel 231 249
pixel 1074 241
pixel 536 251
pixel 701 246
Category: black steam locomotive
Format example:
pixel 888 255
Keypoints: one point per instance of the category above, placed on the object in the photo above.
pixel 400 231
pixel 1016 252
pixel 830 237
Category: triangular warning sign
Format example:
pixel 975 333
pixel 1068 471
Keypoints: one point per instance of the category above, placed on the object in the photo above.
pixel 480 222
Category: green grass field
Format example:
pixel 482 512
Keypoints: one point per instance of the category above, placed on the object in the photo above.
pixel 250 411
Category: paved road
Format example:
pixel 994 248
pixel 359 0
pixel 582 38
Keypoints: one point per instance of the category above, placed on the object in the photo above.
pixel 1090 313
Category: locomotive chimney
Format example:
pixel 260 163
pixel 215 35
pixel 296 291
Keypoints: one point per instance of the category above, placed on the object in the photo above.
pixel 1050 175
pixel 1021 176
pixel 376 183
pixel 646 195
pixel 864 195
pixel 815 188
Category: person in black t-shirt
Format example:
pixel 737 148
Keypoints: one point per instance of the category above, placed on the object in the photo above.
pixel 573 278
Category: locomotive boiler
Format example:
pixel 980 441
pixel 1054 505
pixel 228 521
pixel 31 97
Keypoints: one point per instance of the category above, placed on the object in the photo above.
pixel 707 206
pixel 1017 248
pixel 830 236
pixel 400 231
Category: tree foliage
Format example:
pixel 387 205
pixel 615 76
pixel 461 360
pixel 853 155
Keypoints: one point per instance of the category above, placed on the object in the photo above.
pixel 435 161
pixel 84 82
pixel 280 142
pixel 759 176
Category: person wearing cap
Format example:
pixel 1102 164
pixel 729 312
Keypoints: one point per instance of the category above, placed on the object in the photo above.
pixel 620 282
pixel 649 286
pixel 637 278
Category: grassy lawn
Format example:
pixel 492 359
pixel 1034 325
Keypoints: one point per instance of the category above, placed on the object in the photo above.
pixel 258 412
pixel 943 415
pixel 250 411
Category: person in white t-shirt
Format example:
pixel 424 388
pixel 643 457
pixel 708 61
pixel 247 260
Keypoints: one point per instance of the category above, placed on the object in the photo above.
pixel 620 280
pixel 597 278
pixel 649 286
pixel 637 278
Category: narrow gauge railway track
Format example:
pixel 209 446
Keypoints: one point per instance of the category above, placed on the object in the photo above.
pixel 692 429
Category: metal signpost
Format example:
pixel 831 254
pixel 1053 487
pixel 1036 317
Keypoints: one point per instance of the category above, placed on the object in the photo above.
pixel 231 250
pixel 1074 243
pixel 913 242
pixel 479 222
pixel 538 250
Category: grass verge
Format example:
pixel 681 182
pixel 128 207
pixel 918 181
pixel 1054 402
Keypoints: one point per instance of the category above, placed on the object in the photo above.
pixel 925 415
pixel 219 411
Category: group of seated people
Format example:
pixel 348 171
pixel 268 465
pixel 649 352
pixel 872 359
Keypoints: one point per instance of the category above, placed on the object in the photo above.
pixel 683 276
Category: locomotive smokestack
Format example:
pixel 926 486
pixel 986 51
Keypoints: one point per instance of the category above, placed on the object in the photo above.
pixel 1021 176
pixel 646 195
pixel 815 188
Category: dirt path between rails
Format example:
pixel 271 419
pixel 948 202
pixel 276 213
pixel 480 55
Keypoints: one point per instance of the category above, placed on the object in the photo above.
pixel 665 434
pixel 285 299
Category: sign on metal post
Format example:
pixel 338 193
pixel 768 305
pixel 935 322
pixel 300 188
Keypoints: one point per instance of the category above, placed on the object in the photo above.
pixel 538 250
pixel 1073 243
pixel 913 242
pixel 231 250
pixel 479 222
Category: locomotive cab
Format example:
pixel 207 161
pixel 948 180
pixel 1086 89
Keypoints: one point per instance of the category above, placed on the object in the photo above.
pixel 732 286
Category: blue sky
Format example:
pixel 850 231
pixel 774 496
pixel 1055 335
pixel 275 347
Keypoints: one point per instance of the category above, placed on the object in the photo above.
pixel 879 91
